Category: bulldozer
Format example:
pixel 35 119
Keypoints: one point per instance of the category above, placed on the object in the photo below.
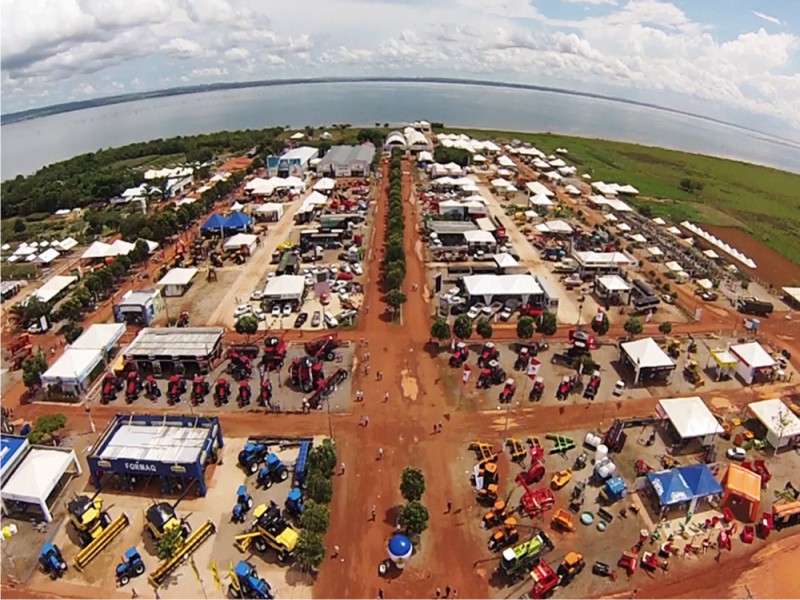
pixel 692 372
pixel 88 517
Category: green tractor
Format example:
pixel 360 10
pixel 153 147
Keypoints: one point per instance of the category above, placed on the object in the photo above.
pixel 516 562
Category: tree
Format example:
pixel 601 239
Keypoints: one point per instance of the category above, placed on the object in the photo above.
pixel 19 226
pixel 35 309
pixel 665 328
pixel 600 327
pixel 322 458
pixel 72 331
pixel 462 328
pixel 634 326
pixel 412 484
pixel 440 329
pixel 395 299
pixel 484 328
pixel 168 544
pixel 247 325
pixel 414 517
pixel 318 487
pixel 525 328
pixel 316 517
pixel 83 296
pixel 117 269
pixel 394 278
pixel 548 325
pixel 46 426
pixel 310 550
pixel 71 309
pixel 32 369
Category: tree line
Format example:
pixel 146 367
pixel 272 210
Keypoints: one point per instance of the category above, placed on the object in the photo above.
pixel 394 259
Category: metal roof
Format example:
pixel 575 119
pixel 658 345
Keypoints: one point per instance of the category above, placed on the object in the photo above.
pixel 172 341
pixel 451 227
pixel 163 443
pixel 348 155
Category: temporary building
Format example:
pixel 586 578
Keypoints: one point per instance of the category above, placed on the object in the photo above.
pixel 541 199
pixel 506 162
pixel 67 244
pixel 674 230
pixel 647 358
pixel 536 188
pixel 724 363
pixel 754 362
pixel 500 184
pixel 325 184
pixel 48 256
pixel 611 284
pixel 659 221
pixel 674 267
pixel 655 251
pixel 505 261
pixel 624 227
pixel 214 224
pixel 100 336
pixel 556 226
pixel 711 254
pixel 73 369
pixel 792 294
pixel 742 485
pixel 572 190
pixel 486 287
pixel 705 284
pixel 484 223
pixel 638 238
pixel 270 211
pixel 285 288
pixel 238 221
pixel 684 485
pixel 242 240
pixel 782 425
pixel 31 473
pixel 478 236
pixel 691 418
pixel 177 281
pixel 54 286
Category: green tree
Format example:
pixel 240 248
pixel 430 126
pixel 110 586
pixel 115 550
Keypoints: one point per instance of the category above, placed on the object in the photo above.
pixel 19 226
pixel 32 369
pixel 525 328
pixel 548 325
pixel 665 328
pixel 316 517
pixel 46 427
pixel 414 517
pixel 634 326
pixel 318 487
pixel 117 270
pixel 247 325
pixel 600 327
pixel 168 544
pixel 412 484
pixel 484 328
pixel 440 329
pixel 35 309
pixel 462 327
pixel 310 550
pixel 83 297
pixel 71 309
pixel 72 331
pixel 395 299
pixel 322 458
pixel 394 278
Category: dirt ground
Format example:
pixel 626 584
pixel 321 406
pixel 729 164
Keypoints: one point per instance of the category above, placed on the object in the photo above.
pixel 201 299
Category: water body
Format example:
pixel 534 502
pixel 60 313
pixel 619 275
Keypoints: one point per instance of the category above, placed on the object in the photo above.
pixel 29 145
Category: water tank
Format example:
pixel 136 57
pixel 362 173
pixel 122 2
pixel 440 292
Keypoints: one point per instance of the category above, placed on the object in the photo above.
pixel 601 453
pixel 592 440
pixel 606 469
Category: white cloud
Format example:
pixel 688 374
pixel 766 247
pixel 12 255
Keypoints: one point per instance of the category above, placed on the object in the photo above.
pixel 236 54
pixel 612 2
pixel 208 72
pixel 183 48
pixel 768 18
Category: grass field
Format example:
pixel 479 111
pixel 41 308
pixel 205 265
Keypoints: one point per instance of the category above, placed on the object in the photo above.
pixel 762 201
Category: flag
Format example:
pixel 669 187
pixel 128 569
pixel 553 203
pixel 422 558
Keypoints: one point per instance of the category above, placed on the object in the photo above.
pixel 452 344
pixel 467 373
pixel 533 368
pixel 215 575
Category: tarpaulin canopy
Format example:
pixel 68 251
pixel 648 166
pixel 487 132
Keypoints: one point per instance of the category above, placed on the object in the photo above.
pixel 684 484
pixel 215 222
pixel 237 220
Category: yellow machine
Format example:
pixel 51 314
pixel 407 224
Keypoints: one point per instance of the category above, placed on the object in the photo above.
pixel 161 517
pixel 672 347
pixel 88 517
pixel 269 530
pixel 516 449
pixel 561 478
pixel 99 543
pixel 192 543
pixel 692 372
pixel 484 451
pixel 488 491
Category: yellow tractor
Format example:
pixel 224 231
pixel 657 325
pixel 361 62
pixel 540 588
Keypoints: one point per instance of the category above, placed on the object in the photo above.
pixel 672 347
pixel 88 517
pixel 487 493
pixel 692 372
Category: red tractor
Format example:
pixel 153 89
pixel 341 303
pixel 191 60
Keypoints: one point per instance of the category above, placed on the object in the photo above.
pixel 460 355
pixel 111 386
pixel 183 320
pixel 306 373
pixel 245 394
pixel 545 579
pixel 489 353
pixel 151 389
pixel 537 391
pixel 536 471
pixel 265 396
pixel 133 386
pixel 240 365
pixel 591 388
pixel 222 392
pixel 200 389
pixel 274 353
pixel 491 374
pixel 176 387
pixel 523 359
pixel 323 348
pixel 507 394
pixel 565 388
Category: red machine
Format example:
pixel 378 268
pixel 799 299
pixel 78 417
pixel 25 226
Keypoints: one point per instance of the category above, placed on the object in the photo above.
pixel 628 562
pixel 307 373
pixel 760 467
pixel 326 388
pixel 110 388
pixel 725 538
pixel 240 365
pixel 460 355
pixel 274 353
pixel 642 468
pixel 176 386
pixel 591 388
pixel 523 358
pixel 183 320
pixel 535 503
pixel 489 353
pixel 491 374
pixel 537 391
pixel 323 348
pixel 765 525
pixel 536 471
pixel 222 392
pixel 529 310
pixel 651 563
pixel 133 385
pixel 748 534
pixel 200 389
pixel 20 349
pixel 509 389
pixel 565 387
pixel 265 395
pixel 151 389
pixel 544 580
pixel 582 340
pixel 245 394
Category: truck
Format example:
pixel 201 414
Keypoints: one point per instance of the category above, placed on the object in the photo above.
pixel 553 253
pixel 565 265
pixel 753 306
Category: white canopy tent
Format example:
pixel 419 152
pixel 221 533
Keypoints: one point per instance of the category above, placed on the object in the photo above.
pixel 54 286
pixel 48 256
pixel 706 284
pixel 659 221
pixel 638 238
pixel 536 188
pixel 655 251
pixel 752 359
pixel 646 354
pixel 572 190
pixel 783 426
pixel 100 336
pixel 505 260
pixel 37 475
pixel 325 184
pixel 624 227
pixel 540 200
pixel 556 226
pixel 72 369
pixel 690 417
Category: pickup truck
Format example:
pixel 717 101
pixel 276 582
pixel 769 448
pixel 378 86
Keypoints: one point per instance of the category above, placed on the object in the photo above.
pixel 567 265
pixel 573 281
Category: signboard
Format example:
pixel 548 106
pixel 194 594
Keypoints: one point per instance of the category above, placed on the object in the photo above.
pixel 533 368
pixel 122 465
pixel 467 373
pixel 272 165
pixel 342 171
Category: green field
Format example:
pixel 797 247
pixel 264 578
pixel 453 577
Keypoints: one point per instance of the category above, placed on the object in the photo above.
pixel 762 201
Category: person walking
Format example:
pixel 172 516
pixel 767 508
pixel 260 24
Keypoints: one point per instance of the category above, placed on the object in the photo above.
pixel 342 470
pixel 447 591
pixel 380 453
pixel 438 592
pixel 335 552
pixel 440 427
pixel 449 508
pixel 380 593
pixel 374 512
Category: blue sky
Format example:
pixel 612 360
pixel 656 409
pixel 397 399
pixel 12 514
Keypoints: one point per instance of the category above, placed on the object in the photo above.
pixel 730 59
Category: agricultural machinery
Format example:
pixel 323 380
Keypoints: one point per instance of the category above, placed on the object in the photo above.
pixel 265 395
pixel 200 389
pixel 323 348
pixel 222 392
pixel 537 391
pixel 516 562
pixel 244 502
pixel 536 471
pixel 485 480
pixel 274 353
pixel 111 386
pixel 252 455
pixel 183 319
pixel 499 513
pixel 507 394
pixel 245 583
pixel 536 502
pixel 590 392
pixel 51 561
pixel 20 349
pixel 133 386
pixel 565 388
pixel 88 517
pixel 491 374
pixel 488 353
pixel 294 502
pixel 273 471
pixel 245 394
pixel 240 365
pixel 151 389
pixel 505 536
pixel 523 359
pixel 176 387
pixel 306 373
pixel 131 566
pixel 327 387
pixel 269 530
pixel 460 355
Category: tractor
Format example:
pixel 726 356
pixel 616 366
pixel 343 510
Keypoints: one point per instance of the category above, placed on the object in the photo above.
pixel 265 395
pixel 294 502
pixel 269 530
pixel 523 359
pixel 307 373
pixel 131 566
pixel 222 392
pixel 111 386
pixel 51 561
pixel 151 389
pixel 88 517
pixel 274 353
pixel 565 388
pixel 535 502
pixel 673 348
pixel 505 536
pixel 245 394
pixel 133 386
pixel 491 374
pixel 161 518
pixel 240 365
pixel 176 387
pixel 20 349
pixel 537 391
pixel 485 481
pixel 252 455
pixel 545 580
pixel 460 355
pixel 200 388
pixel 507 394
pixel 497 515
pixel 590 392
pixel 272 472
pixel 244 502
pixel 245 583
pixel 692 372
pixel 517 561
pixel 489 353
pixel 323 348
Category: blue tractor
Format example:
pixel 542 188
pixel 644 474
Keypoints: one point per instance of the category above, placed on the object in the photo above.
pixel 294 502
pixel 244 502
pixel 274 471
pixel 132 565
pixel 252 455
pixel 245 583
pixel 52 561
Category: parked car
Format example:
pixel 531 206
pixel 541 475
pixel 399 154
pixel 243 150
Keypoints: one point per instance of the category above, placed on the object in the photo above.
pixel 344 296
pixel 458 309
pixel 242 310
pixel 276 310
pixel 486 311
pixel 316 319
pixel 668 299
pixel 344 268
pixel 357 269
pixel 324 298
pixel 473 312
pixel 709 296
pixel 736 453
pixel 301 319
pixel 257 295
pixel 505 314
pixel 346 315
pixel 259 314
pixel 331 321
pixel 345 276
pixel 309 281
pixel 495 307
pixel 287 310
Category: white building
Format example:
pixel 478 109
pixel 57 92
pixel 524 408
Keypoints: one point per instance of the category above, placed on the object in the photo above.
pixel 177 281
pixel 755 363
pixel 490 288
pixel 781 424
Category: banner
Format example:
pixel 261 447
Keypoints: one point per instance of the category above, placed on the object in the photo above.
pixel 467 373
pixel 649 317
pixel 533 368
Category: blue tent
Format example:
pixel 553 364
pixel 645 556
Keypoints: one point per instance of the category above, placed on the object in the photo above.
pixel 214 223
pixel 238 221
pixel 684 484
pixel 701 480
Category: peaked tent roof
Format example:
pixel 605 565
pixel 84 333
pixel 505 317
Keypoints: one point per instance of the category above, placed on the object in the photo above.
pixel 690 416
pixel 684 484
pixel 647 354
pixel 753 354
pixel 215 221
pixel 237 220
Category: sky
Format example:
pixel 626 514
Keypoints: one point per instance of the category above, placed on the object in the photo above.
pixel 735 60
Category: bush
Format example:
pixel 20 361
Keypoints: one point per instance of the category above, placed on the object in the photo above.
pixel 318 487
pixel 484 328
pixel 310 550
pixel 316 517
pixel 322 458
pixel 440 329
pixel 462 328
pixel 414 517
pixel 412 484
pixel 525 328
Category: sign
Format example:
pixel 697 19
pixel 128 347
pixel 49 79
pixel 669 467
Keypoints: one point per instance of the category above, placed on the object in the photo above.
pixel 533 368
pixel 467 373
pixel 599 317
pixel 272 165
pixel 143 467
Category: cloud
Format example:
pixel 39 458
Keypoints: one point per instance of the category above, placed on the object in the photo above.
pixel 767 18
pixel 236 54
pixel 612 2
pixel 183 48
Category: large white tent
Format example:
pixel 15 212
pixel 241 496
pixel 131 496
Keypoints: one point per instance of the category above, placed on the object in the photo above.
pixel 536 188
pixel 240 240
pixel 556 226
pixel 54 286
pixel 752 359
pixel 540 199
pixel 646 354
pixel 782 425
pixel 72 369
pixel 325 184
pixel 100 336
pixel 690 417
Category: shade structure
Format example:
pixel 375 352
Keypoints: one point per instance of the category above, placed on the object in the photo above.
pixel 214 223
pixel 744 485
pixel 73 368
pixel 400 550
pixel 690 417
pixel 782 425
pixel 237 221
pixel 684 485
pixel 646 354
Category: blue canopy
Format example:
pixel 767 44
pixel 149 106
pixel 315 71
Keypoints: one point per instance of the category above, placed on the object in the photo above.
pixel 399 545
pixel 215 222
pixel 684 484
pixel 237 220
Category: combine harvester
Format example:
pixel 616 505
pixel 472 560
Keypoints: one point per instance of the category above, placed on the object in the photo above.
pixel 101 542
pixel 94 526
pixel 192 543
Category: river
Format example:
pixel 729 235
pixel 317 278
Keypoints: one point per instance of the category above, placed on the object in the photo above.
pixel 29 145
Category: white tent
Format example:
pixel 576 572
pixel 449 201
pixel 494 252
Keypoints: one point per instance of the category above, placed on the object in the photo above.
pixel 655 251
pixel 237 206
pixel 505 260
pixel 500 184
pixel 37 475
pixel 572 190
pixel 477 236
pixel 556 226
pixel 711 254
pixel 25 250
pixel 536 188
pixel 624 227
pixel 48 256
pixel 54 286
pixel 273 209
pixel 659 221
pixel 100 336
pixel 506 162
pixel 176 280
pixel 73 368
pixel 752 358
pixel 690 417
pixel 325 184
pixel 674 267
pixel 674 230
pixel 317 198
pixel 479 158
pixel 241 239
pixel 540 200
pixel 783 426
pixel 706 284
pixel 646 354
pixel 638 238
